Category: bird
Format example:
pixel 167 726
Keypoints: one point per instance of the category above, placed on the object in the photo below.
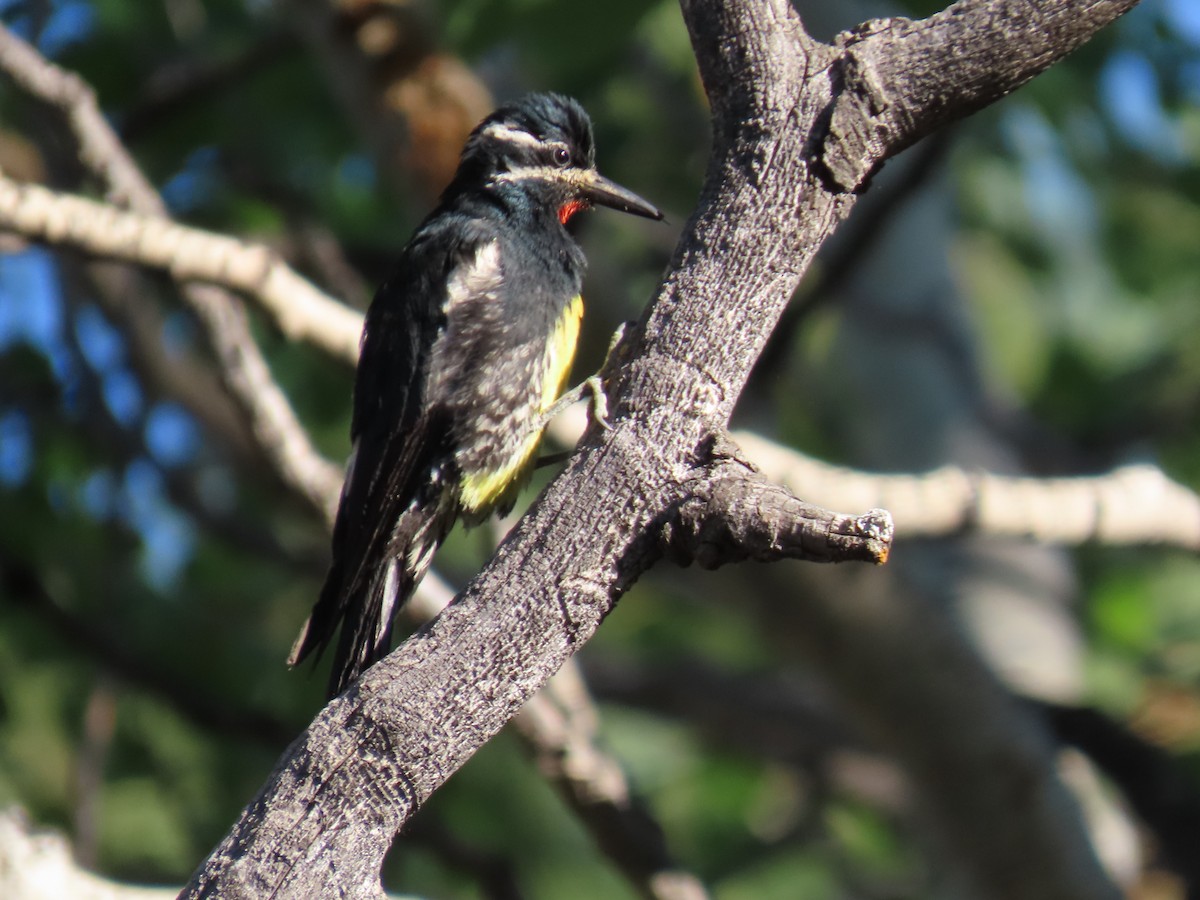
pixel 465 348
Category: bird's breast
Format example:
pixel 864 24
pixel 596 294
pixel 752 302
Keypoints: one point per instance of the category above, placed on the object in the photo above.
pixel 491 480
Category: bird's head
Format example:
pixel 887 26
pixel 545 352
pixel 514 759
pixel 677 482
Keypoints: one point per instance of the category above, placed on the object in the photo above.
pixel 542 146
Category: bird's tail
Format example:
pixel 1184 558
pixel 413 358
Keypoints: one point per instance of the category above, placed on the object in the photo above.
pixel 365 601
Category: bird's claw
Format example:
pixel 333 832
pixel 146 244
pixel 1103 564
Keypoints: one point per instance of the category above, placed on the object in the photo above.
pixel 599 403
pixel 597 406
pixel 594 385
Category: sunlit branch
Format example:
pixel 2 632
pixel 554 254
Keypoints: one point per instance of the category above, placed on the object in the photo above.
pixel 299 309
pixel 244 371
pixel 1136 504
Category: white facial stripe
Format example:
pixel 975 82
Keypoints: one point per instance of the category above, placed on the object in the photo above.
pixel 543 173
pixel 501 132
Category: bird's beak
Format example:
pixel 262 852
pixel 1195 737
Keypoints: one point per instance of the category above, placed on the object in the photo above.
pixel 598 189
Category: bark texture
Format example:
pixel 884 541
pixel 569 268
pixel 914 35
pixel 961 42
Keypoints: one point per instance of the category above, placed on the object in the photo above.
pixel 798 129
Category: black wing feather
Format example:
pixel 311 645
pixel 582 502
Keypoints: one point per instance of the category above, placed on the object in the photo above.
pixel 400 439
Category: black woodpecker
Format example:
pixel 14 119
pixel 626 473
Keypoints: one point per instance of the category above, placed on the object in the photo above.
pixel 465 348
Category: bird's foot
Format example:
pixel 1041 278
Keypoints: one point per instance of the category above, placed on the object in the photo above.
pixel 598 406
pixel 593 386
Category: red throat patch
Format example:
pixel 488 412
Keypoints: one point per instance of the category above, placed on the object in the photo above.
pixel 569 209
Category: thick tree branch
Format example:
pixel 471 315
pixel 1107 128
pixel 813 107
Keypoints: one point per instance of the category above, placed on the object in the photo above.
pixel 952 64
pixel 329 811
pixel 733 513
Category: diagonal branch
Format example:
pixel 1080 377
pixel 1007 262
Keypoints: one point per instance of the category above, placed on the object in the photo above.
pixel 300 310
pixel 328 813
pixel 955 62
pixel 244 371
pixel 100 149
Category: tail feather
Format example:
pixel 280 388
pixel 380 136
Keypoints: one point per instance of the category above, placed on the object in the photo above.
pixel 365 604
pixel 366 634
pixel 322 622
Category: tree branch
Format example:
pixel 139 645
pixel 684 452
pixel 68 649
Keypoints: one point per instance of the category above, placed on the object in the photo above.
pixel 329 811
pixel 1136 504
pixel 244 372
pixel 953 63
pixel 733 513
pixel 300 310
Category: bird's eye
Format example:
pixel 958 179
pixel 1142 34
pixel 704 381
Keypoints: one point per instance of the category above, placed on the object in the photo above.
pixel 562 156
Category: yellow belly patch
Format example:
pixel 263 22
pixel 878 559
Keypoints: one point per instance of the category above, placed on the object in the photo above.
pixel 560 353
pixel 483 491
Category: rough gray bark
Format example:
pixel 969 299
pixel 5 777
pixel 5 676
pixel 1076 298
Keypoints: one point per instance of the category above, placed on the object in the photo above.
pixel 798 127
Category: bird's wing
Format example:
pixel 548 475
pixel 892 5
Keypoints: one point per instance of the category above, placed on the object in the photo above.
pixel 384 534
